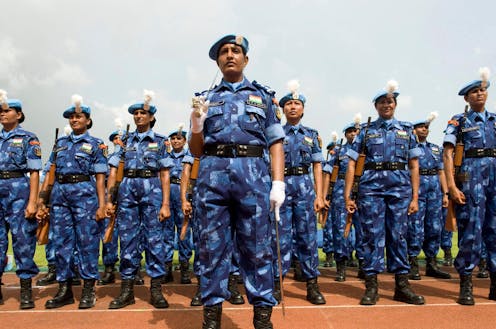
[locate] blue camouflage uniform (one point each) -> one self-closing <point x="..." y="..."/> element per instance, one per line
<point x="176" y="220"/>
<point x="327" y="234"/>
<point x="140" y="200"/>
<point x="301" y="149"/>
<point x="425" y="226"/>
<point x="19" y="152"/>
<point x="384" y="195"/>
<point x="233" y="191"/>
<point x="74" y="204"/>
<point x="476" y="220"/>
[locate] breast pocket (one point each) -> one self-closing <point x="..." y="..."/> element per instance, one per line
<point x="474" y="139"/>
<point x="17" y="156"/>
<point x="401" y="148"/>
<point x="306" y="154"/>
<point x="151" y="159"/>
<point x="83" y="160"/>
<point x="215" y="119"/>
<point x="252" y="121"/>
<point x="375" y="148"/>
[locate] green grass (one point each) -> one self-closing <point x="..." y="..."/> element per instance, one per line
<point x="40" y="260"/>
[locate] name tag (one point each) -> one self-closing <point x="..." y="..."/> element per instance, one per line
<point x="464" y="130"/>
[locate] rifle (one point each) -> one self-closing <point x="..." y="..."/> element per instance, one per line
<point x="450" y="224"/>
<point x="359" y="167"/>
<point x="44" y="224"/>
<point x="333" y="180"/>
<point x="114" y="191"/>
<point x="189" y="196"/>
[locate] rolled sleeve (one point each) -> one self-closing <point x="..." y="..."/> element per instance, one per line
<point x="415" y="152"/>
<point x="327" y="168"/>
<point x="100" y="168"/>
<point x="317" y="157"/>
<point x="34" y="164"/>
<point x="273" y="133"/>
<point x="188" y="159"/>
<point x="166" y="163"/>
<point x="450" y="139"/>
<point x="352" y="154"/>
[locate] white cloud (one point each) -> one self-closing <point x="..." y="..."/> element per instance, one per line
<point x="64" y="74"/>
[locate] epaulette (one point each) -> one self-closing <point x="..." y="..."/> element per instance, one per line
<point x="205" y="92"/>
<point x="160" y="136"/>
<point x="406" y="124"/>
<point x="264" y="88"/>
<point x="311" y="130"/>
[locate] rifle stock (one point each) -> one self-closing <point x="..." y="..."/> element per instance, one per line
<point x="189" y="194"/>
<point x="114" y="192"/>
<point x="44" y="224"/>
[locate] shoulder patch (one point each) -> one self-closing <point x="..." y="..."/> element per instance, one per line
<point x="453" y="122"/>
<point x="34" y="143"/>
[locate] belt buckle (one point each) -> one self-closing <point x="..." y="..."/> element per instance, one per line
<point x="481" y="152"/>
<point x="299" y="170"/>
<point x="220" y="150"/>
<point x="131" y="173"/>
<point x="241" y="150"/>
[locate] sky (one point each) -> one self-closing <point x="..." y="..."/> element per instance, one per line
<point x="342" y="53"/>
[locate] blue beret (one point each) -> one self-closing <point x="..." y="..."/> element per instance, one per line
<point x="183" y="133"/>
<point x="331" y="145"/>
<point x="289" y="97"/>
<point x="115" y="133"/>
<point x="383" y="93"/>
<point x="351" y="125"/>
<point x="471" y="85"/>
<point x="14" y="104"/>
<point x="421" y="122"/>
<point x="241" y="41"/>
<point x="139" y="106"/>
<point x="72" y="109"/>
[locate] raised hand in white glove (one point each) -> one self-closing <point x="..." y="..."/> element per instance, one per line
<point x="277" y="194"/>
<point x="198" y="114"/>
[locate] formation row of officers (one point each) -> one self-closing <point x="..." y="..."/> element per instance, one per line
<point x="249" y="212"/>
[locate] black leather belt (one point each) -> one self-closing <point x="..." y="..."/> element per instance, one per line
<point x="11" y="174"/>
<point x="72" y="179"/>
<point x="295" y="171"/>
<point x="341" y="175"/>
<point x="233" y="150"/>
<point x="428" y="172"/>
<point x="480" y="153"/>
<point x="140" y="173"/>
<point x="175" y="180"/>
<point x="385" y="165"/>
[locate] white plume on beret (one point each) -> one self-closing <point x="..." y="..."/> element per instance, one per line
<point x="180" y="127"/>
<point x="77" y="100"/>
<point x="334" y="136"/>
<point x="67" y="130"/>
<point x="148" y="96"/>
<point x="357" y="119"/>
<point x="293" y="87"/>
<point x="432" y="116"/>
<point x="391" y="86"/>
<point x="484" y="73"/>
<point x="118" y="123"/>
<point x="3" y="96"/>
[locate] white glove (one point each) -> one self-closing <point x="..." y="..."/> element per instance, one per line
<point x="198" y="114"/>
<point x="277" y="194"/>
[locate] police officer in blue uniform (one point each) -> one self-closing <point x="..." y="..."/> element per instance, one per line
<point x="109" y="249"/>
<point x="342" y="246"/>
<point x="178" y="155"/>
<point x="78" y="202"/>
<point x="302" y="150"/>
<point x="474" y="188"/>
<point x="20" y="154"/>
<point x="388" y="193"/>
<point x="425" y="226"/>
<point x="143" y="200"/>
<point x="234" y="127"/>
<point x="327" y="234"/>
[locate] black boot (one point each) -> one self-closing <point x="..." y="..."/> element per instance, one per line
<point x="298" y="274"/>
<point x="340" y="271"/>
<point x="313" y="293"/>
<point x="196" y="301"/>
<point x="126" y="296"/>
<point x="138" y="279"/>
<point x="492" y="287"/>
<point x="360" y="273"/>
<point x="168" y="277"/>
<point x="26" y="294"/>
<point x="351" y="261"/>
<point x="185" y="276"/>
<point x="88" y="297"/>
<point x="414" y="268"/>
<point x="108" y="276"/>
<point x="157" y="299"/>
<point x="466" y="297"/>
<point x="404" y="293"/>
<point x="431" y="269"/>
<point x="483" y="273"/>
<point x="232" y="286"/>
<point x="448" y="258"/>
<point x="63" y="297"/>
<point x="49" y="278"/>
<point x="277" y="290"/>
<point x="212" y="316"/>
<point x="261" y="317"/>
<point x="76" y="280"/>
<point x="371" y="296"/>
<point x="328" y="260"/>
